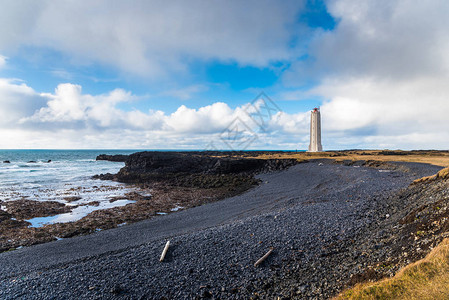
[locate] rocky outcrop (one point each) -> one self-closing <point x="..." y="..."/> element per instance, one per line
<point x="272" y="165"/>
<point x="144" y="166"/>
<point x="117" y="157"/>
<point x="184" y="162"/>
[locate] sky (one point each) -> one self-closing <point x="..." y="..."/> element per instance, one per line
<point x="226" y="75"/>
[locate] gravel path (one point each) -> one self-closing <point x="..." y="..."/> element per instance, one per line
<point x="310" y="214"/>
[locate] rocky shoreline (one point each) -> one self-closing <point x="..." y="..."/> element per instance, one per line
<point x="175" y="181"/>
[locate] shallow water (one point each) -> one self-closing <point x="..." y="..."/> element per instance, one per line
<point x="76" y="214"/>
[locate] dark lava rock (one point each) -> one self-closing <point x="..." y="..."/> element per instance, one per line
<point x="388" y="152"/>
<point x="117" y="157"/>
<point x="107" y="176"/>
<point x="184" y="162"/>
<point x="32" y="162"/>
<point x="6" y="162"/>
<point x="142" y="166"/>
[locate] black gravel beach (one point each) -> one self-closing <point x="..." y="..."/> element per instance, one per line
<point x="323" y="220"/>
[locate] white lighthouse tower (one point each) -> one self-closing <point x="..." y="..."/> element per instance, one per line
<point x="315" y="131"/>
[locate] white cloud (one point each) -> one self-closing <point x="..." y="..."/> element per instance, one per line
<point x="394" y="40"/>
<point x="2" y="61"/>
<point x="413" y="105"/>
<point x="17" y="100"/>
<point x="69" y="118"/>
<point x="291" y="123"/>
<point x="383" y="73"/>
<point x="211" y="118"/>
<point x="153" y="37"/>
<point x="383" y="70"/>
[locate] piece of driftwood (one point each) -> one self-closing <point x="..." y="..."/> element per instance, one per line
<point x="263" y="257"/>
<point x="165" y="251"/>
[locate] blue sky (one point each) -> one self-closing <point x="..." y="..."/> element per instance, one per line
<point x="44" y="67"/>
<point x="155" y="75"/>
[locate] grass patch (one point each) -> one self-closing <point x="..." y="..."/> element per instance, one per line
<point x="443" y="174"/>
<point x="425" y="279"/>
<point x="438" y="158"/>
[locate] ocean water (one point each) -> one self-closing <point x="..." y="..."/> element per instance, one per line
<point x="29" y="175"/>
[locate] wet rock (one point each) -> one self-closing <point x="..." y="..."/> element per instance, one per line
<point x="27" y="209"/>
<point x="6" y="162"/>
<point x="107" y="176"/>
<point x="72" y="198"/>
<point x="7" y="222"/>
<point x="116" y="158"/>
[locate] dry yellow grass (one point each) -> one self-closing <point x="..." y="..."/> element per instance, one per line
<point x="438" y="159"/>
<point x="425" y="279"/>
<point x="444" y="173"/>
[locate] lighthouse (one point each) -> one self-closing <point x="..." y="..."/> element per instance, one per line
<point x="315" y="131"/>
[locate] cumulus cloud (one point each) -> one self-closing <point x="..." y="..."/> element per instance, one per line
<point x="396" y="40"/>
<point x="154" y="37"/>
<point x="69" y="118"/>
<point x="210" y="118"/>
<point x="17" y="100"/>
<point x="382" y="74"/>
<point x="370" y="108"/>
<point x="69" y="107"/>
<point x="291" y="123"/>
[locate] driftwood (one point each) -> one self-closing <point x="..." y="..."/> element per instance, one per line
<point x="165" y="251"/>
<point x="263" y="257"/>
